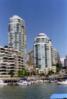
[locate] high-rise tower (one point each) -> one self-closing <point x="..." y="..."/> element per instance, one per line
<point x="17" y="35"/>
<point x="42" y="52"/>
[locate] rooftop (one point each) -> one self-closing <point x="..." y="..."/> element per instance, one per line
<point x="16" y="17"/>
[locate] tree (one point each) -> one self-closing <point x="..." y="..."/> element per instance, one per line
<point x="58" y="67"/>
<point x="22" y="73"/>
<point x="50" y="72"/>
<point x="11" y="73"/>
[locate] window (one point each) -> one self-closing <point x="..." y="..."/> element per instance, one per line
<point x="43" y="39"/>
<point x="38" y="40"/>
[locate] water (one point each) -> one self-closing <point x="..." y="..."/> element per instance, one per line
<point x="42" y="91"/>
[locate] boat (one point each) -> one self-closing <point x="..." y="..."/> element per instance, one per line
<point x="23" y="83"/>
<point x="62" y="82"/>
<point x="2" y="83"/>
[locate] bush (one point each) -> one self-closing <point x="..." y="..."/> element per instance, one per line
<point x="50" y="72"/>
<point x="22" y="73"/>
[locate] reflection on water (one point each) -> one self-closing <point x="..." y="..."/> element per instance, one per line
<point x="42" y="91"/>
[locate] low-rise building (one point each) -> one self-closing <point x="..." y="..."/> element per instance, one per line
<point x="11" y="61"/>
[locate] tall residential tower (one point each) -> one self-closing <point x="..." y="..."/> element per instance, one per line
<point x="42" y="52"/>
<point x="17" y="35"/>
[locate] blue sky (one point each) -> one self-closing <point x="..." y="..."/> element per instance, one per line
<point x="48" y="16"/>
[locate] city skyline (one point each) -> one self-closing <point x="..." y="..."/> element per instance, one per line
<point x="39" y="16"/>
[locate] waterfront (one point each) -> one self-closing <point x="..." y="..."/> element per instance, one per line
<point x="38" y="91"/>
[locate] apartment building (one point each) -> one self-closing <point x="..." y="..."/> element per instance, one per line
<point x="11" y="60"/>
<point x="42" y="52"/>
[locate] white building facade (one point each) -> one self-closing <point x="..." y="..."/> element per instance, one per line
<point x="10" y="61"/>
<point x="42" y="52"/>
